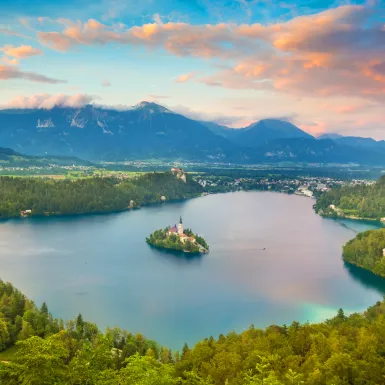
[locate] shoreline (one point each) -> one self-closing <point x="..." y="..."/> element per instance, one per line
<point x="352" y="218"/>
<point x="177" y="252"/>
<point x="95" y="213"/>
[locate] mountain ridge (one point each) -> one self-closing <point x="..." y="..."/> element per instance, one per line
<point x="151" y="131"/>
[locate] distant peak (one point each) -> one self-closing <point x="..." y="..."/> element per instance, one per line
<point x="151" y="106"/>
<point x="331" y="135"/>
<point x="143" y="104"/>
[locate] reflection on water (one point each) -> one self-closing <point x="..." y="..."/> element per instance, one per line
<point x="358" y="226"/>
<point x="366" y="278"/>
<point x="271" y="261"/>
<point x="178" y="256"/>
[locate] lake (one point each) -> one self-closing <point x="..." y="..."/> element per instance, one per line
<point x="272" y="261"/>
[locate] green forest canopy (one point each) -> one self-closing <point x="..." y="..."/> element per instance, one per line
<point x="341" y="351"/>
<point x="366" y="251"/>
<point x="91" y="195"/>
<point x="358" y="201"/>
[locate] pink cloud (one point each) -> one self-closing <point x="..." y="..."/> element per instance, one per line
<point x="14" y="33"/>
<point x="21" y="52"/>
<point x="8" y="61"/>
<point x="184" y="78"/>
<point x="350" y="109"/>
<point x="11" y="72"/>
<point x="158" y="97"/>
<point x="338" y="52"/>
<point x="315" y="128"/>
<point x="106" y="83"/>
<point x="47" y="101"/>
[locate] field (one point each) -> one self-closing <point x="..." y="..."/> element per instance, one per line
<point x="70" y="174"/>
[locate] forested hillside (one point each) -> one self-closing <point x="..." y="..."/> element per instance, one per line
<point x="366" y="250"/>
<point x="341" y="351"/>
<point x="354" y="201"/>
<point x="92" y="195"/>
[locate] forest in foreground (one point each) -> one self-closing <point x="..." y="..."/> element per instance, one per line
<point x="360" y="201"/>
<point x="37" y="349"/>
<point x="90" y="195"/>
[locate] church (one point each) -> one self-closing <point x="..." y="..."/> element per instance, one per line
<point x="178" y="230"/>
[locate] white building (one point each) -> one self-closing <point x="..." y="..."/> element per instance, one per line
<point x="180" y="227"/>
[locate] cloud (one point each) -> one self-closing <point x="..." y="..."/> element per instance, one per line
<point x="106" y="83"/>
<point x="337" y="52"/>
<point x="180" y="39"/>
<point x="47" y="101"/>
<point x="10" y="72"/>
<point x="216" y="117"/>
<point x="8" y="61"/>
<point x="351" y="109"/>
<point x="315" y="128"/>
<point x="158" y="97"/>
<point x="9" y="32"/>
<point x="184" y="78"/>
<point x="21" y="52"/>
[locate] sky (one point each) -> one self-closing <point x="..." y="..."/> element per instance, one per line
<point x="317" y="63"/>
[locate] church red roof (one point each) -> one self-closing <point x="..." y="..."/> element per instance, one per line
<point x="174" y="229"/>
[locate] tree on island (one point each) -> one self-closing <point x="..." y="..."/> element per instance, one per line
<point x="178" y="238"/>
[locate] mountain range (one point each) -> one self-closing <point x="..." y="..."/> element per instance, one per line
<point x="151" y="131"/>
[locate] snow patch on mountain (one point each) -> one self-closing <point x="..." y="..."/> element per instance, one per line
<point x="104" y="127"/>
<point x="47" y="123"/>
<point x="78" y="122"/>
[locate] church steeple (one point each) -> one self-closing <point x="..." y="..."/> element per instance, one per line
<point x="180" y="226"/>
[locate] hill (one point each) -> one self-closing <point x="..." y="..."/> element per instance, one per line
<point x="314" y="151"/>
<point x="329" y="136"/>
<point x="366" y="251"/>
<point x="356" y="142"/>
<point x="360" y="201"/>
<point x="11" y="158"/>
<point x="266" y="130"/>
<point x="343" y="350"/>
<point x="218" y="129"/>
<point x="90" y="195"/>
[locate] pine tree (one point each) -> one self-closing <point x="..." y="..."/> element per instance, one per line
<point x="44" y="308"/>
<point x="80" y="325"/>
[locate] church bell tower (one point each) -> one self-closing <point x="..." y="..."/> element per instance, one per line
<point x="180" y="226"/>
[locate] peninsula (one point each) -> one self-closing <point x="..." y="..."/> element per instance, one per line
<point x="179" y="239"/>
<point x="358" y="201"/>
<point x="367" y="250"/>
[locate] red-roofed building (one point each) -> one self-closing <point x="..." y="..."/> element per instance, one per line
<point x="173" y="230"/>
<point x="178" y="230"/>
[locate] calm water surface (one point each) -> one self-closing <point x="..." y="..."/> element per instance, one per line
<point x="102" y="267"/>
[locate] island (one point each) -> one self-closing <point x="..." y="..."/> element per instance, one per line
<point x="179" y="239"/>
<point x="367" y="250"/>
